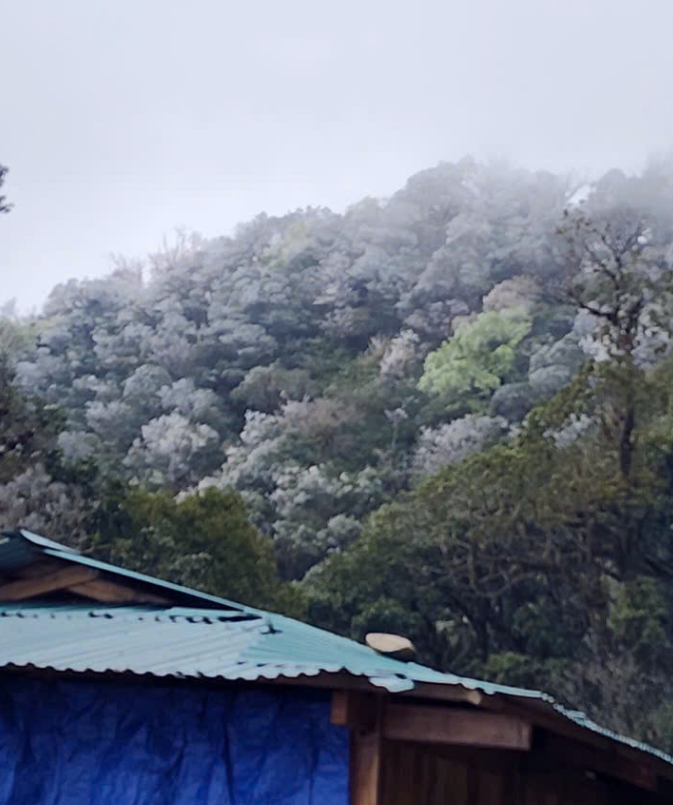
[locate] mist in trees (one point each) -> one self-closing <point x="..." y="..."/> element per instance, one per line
<point x="446" y="413"/>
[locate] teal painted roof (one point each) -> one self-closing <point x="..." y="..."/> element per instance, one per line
<point x="188" y="642"/>
<point x="185" y="642"/>
<point x="211" y="638"/>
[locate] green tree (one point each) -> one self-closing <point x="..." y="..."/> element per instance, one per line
<point x="203" y="540"/>
<point x="472" y="364"/>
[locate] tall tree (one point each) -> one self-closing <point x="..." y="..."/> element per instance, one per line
<point x="4" y="206"/>
<point x="618" y="276"/>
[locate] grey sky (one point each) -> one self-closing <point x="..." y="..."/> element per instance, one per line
<point x="121" y="119"/>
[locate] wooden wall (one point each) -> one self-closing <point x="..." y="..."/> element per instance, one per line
<point x="429" y="753"/>
<point x="416" y="774"/>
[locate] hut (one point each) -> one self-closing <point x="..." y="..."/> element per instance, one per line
<point x="121" y="688"/>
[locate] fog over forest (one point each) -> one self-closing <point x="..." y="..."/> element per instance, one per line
<point x="121" y="120"/>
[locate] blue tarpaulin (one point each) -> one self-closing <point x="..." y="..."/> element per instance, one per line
<point x="90" y="743"/>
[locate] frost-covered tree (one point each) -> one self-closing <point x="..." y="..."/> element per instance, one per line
<point x="27" y="428"/>
<point x="264" y="388"/>
<point x="518" y="292"/>
<point x="400" y="356"/>
<point x="554" y="365"/>
<point x="17" y="334"/>
<point x="35" y="501"/>
<point x="172" y="452"/>
<point x="452" y="442"/>
<point x="4" y="205"/>
<point x="316" y="510"/>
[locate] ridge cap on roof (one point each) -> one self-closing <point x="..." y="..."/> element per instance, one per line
<point x="40" y="541"/>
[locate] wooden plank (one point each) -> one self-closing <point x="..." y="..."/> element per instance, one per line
<point x="587" y="791"/>
<point x="495" y="760"/>
<point x="398" y="776"/>
<point x="444" y="779"/>
<point x="366" y="764"/>
<point x="111" y="592"/>
<point x="414" y="774"/>
<point x="49" y="583"/>
<point x="490" y="787"/>
<point x="445" y="725"/>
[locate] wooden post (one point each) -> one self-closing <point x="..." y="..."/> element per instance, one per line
<point x="366" y="766"/>
<point x="362" y="713"/>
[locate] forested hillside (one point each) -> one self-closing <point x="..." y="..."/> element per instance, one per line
<point x="448" y="414"/>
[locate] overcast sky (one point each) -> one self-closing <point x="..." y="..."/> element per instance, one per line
<point x="121" y="119"/>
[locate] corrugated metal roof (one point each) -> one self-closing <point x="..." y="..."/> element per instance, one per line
<point x="191" y="643"/>
<point x="221" y="640"/>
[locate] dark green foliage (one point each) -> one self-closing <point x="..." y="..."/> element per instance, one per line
<point x="203" y="541"/>
<point x="538" y="563"/>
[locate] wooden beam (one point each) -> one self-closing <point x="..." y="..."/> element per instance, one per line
<point x="447" y="693"/>
<point x="445" y="725"/>
<point x="49" y="583"/>
<point x="111" y="592"/>
<point x="354" y="709"/>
